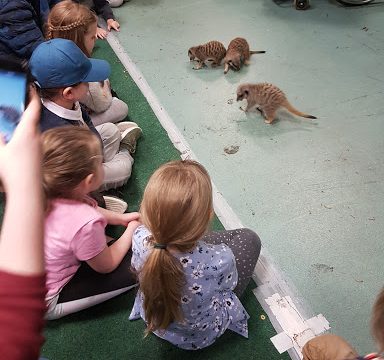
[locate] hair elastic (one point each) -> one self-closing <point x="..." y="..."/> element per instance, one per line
<point x="159" y="246"/>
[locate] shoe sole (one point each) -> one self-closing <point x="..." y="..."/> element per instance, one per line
<point x="115" y="204"/>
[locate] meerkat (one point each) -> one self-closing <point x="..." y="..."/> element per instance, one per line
<point x="238" y="53"/>
<point x="211" y="53"/>
<point x="268" y="99"/>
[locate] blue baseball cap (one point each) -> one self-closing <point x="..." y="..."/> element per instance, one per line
<point x="60" y="62"/>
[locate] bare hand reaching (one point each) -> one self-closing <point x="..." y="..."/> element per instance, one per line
<point x="101" y="33"/>
<point x="113" y="24"/>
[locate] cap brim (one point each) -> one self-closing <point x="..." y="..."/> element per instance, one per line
<point x="100" y="71"/>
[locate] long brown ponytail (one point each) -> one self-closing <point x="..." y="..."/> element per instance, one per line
<point x="176" y="208"/>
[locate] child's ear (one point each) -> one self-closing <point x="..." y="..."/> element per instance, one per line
<point x="68" y="93"/>
<point x="88" y="181"/>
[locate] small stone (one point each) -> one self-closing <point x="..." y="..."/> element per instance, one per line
<point x="232" y="149"/>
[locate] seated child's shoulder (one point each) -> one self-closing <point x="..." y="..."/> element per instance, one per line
<point x="74" y="209"/>
<point x="141" y="235"/>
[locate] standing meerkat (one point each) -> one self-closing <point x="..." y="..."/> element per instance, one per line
<point x="212" y="53"/>
<point x="238" y="53"/>
<point x="268" y="98"/>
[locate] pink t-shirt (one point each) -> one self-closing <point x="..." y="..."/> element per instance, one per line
<point x="74" y="232"/>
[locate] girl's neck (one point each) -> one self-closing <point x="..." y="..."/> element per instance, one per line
<point x="79" y="194"/>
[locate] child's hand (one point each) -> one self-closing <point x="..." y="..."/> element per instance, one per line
<point x="113" y="24"/>
<point x="132" y="226"/>
<point x="101" y="33"/>
<point x="127" y="218"/>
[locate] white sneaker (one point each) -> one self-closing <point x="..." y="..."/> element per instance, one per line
<point x="115" y="204"/>
<point x="130" y="133"/>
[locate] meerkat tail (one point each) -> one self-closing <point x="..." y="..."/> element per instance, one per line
<point x="257" y="52"/>
<point x="291" y="109"/>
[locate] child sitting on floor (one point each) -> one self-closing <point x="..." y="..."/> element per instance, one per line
<point x="72" y="21"/>
<point x="82" y="270"/>
<point x="190" y="282"/>
<point x="62" y="72"/>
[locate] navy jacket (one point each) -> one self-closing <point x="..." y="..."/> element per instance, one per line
<point x="20" y="29"/>
<point x="22" y="26"/>
<point x="49" y="120"/>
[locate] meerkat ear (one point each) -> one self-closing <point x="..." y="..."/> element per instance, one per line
<point x="246" y="92"/>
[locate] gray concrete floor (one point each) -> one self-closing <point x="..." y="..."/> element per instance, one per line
<point x="312" y="189"/>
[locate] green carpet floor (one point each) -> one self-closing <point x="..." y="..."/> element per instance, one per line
<point x="104" y="331"/>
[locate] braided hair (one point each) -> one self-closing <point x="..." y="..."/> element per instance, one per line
<point x="70" y="20"/>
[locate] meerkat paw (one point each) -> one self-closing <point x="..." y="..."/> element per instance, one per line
<point x="241" y="108"/>
<point x="268" y="121"/>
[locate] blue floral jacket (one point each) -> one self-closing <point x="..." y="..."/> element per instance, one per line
<point x="208" y="302"/>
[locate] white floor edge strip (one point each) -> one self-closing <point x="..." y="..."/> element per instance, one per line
<point x="267" y="276"/>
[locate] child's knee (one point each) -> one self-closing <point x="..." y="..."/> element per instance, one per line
<point x="115" y="3"/>
<point x="253" y="239"/>
<point x="109" y="132"/>
<point x="118" y="170"/>
<point x="120" y="108"/>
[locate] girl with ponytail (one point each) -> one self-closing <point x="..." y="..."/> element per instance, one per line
<point x="190" y="280"/>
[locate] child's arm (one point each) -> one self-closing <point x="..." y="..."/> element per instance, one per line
<point x="103" y="8"/>
<point x="114" y="218"/>
<point x="110" y="258"/>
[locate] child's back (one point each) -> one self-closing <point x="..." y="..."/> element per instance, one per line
<point x="208" y="302"/>
<point x="69" y="226"/>
<point x="189" y="283"/>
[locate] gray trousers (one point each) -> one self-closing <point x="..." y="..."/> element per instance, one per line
<point x="245" y="245"/>
<point x="117" y="161"/>
<point x="118" y="111"/>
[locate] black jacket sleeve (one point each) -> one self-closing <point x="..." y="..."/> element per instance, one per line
<point x="103" y="8"/>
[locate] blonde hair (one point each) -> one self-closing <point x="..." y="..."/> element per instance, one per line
<point x="70" y="20"/>
<point x="177" y="209"/>
<point x="70" y="154"/>
<point x="378" y="320"/>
